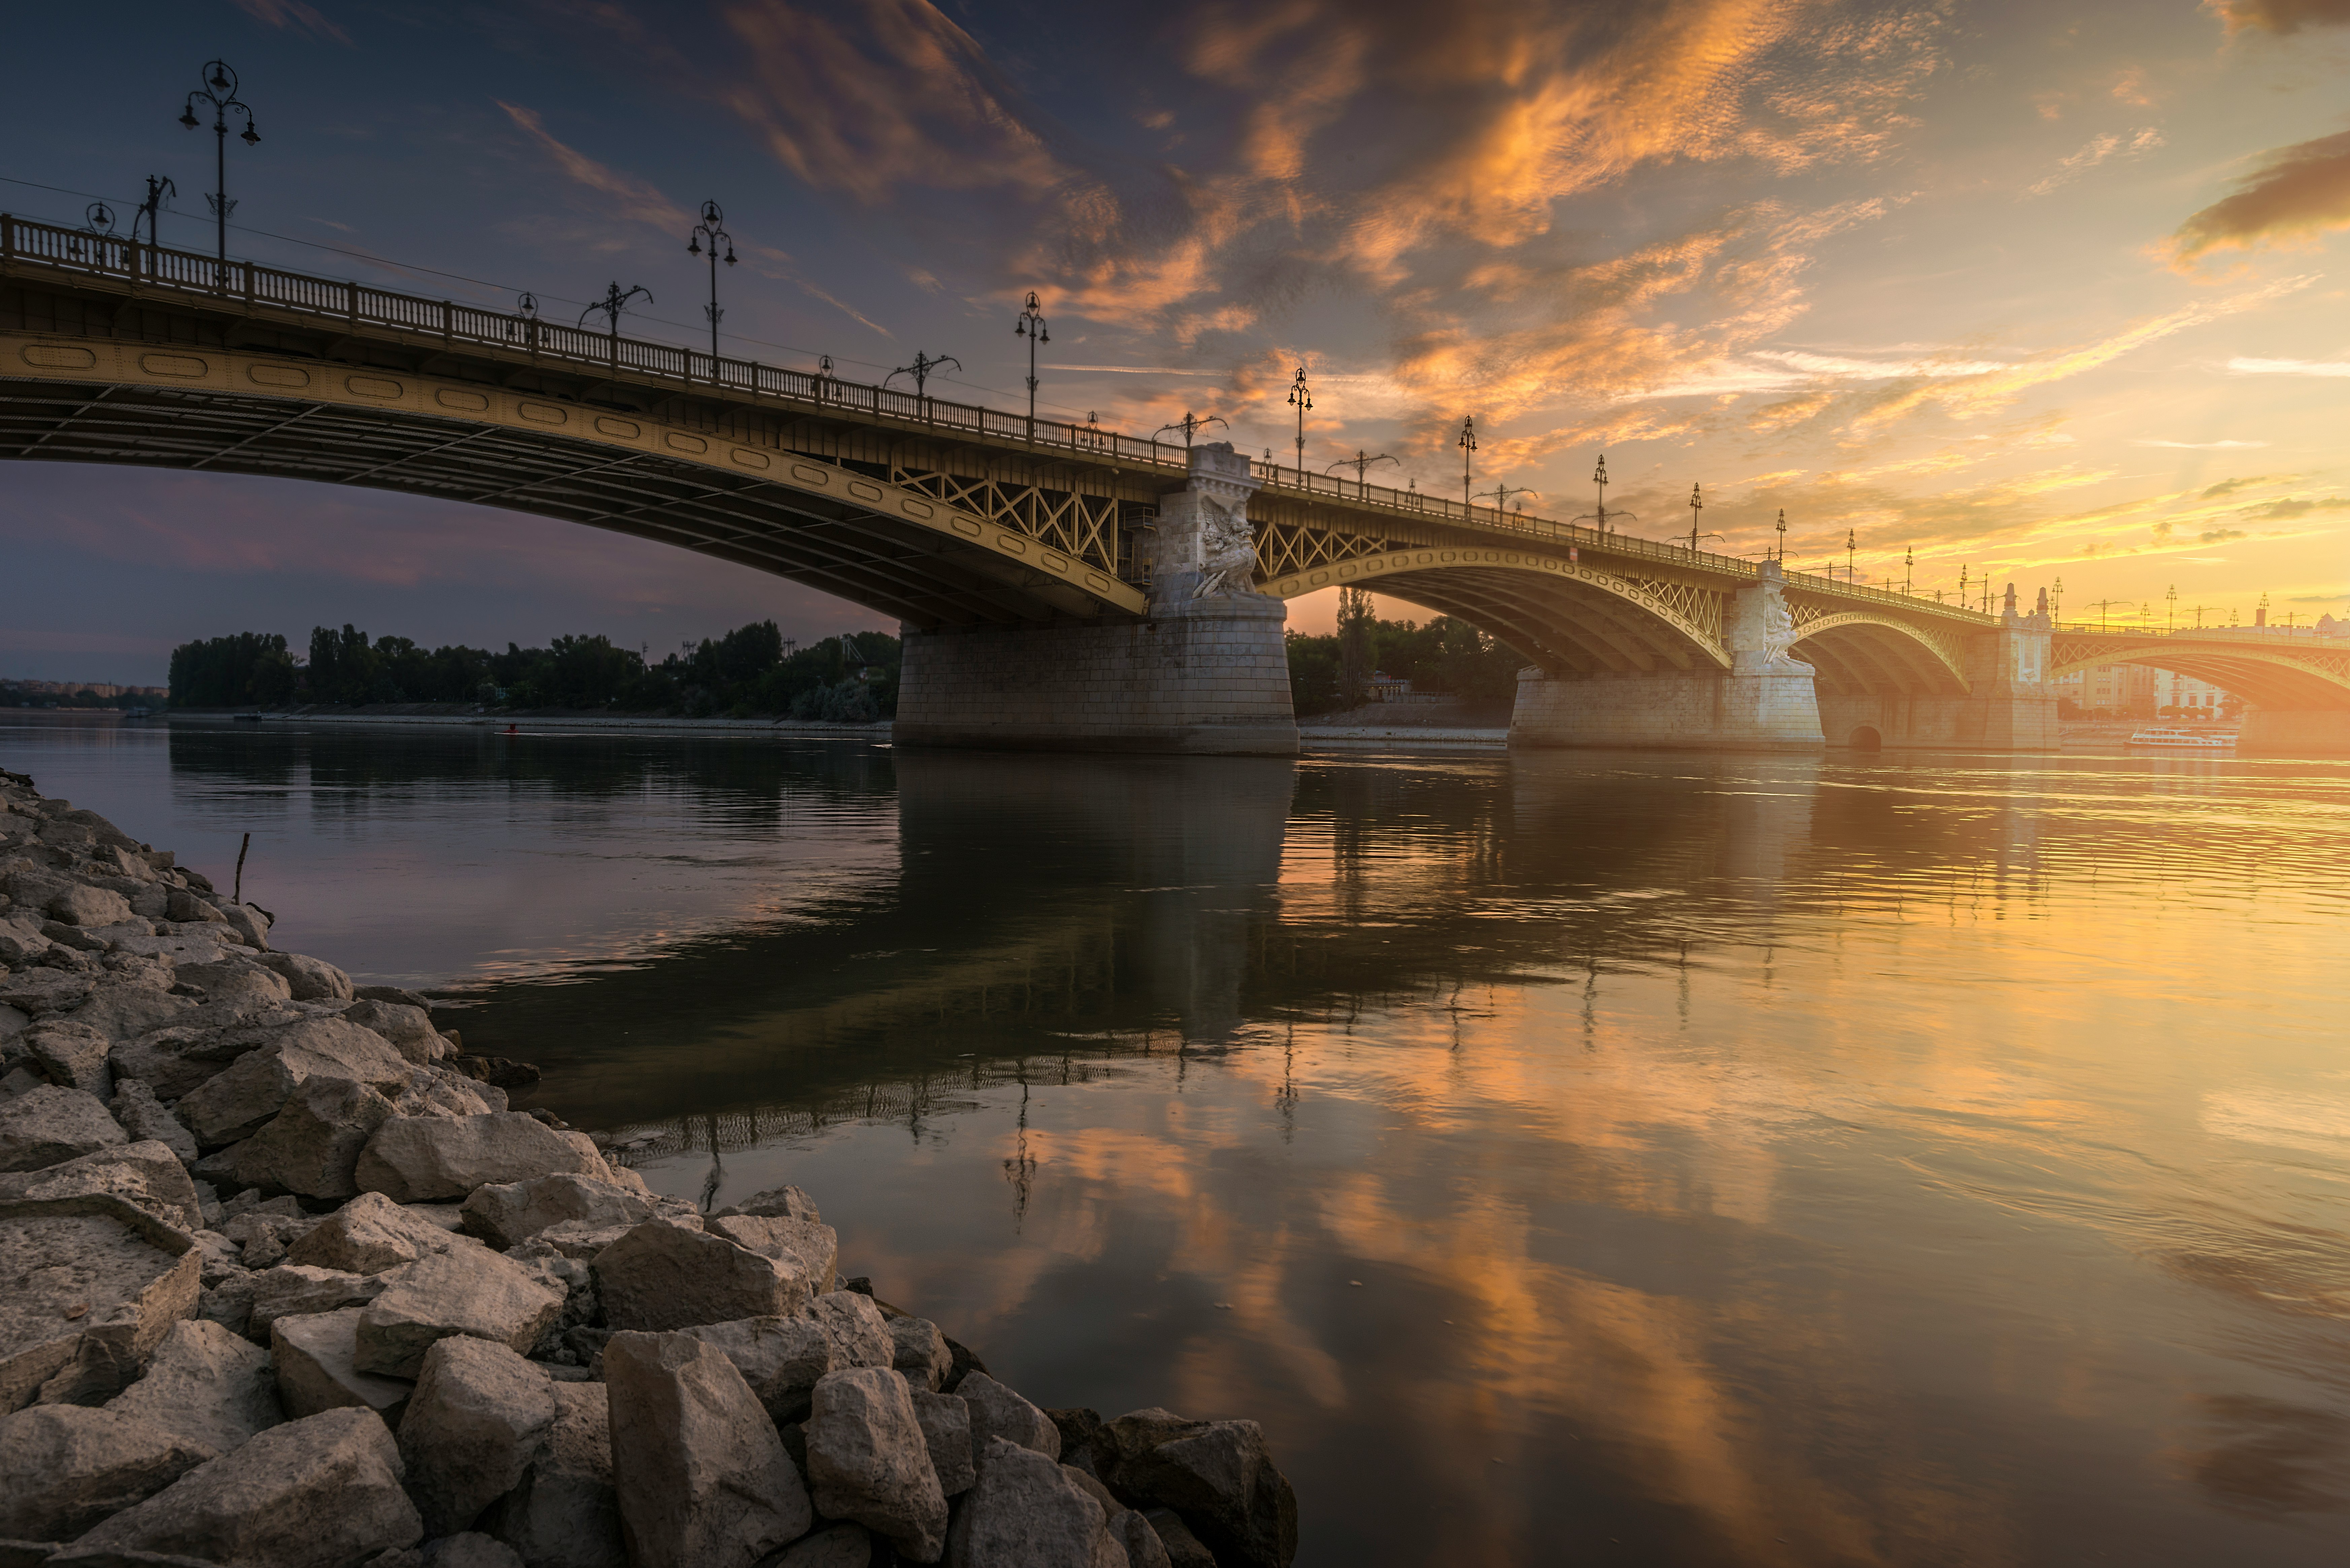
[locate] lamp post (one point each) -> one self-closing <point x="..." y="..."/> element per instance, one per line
<point x="1502" y="493"/>
<point x="713" y="228"/>
<point x="2056" y="602"/>
<point x="920" y="370"/>
<point x="2170" y="610"/>
<point x="1851" y="551"/>
<point x="1031" y="325"/>
<point x="1909" y="568"/>
<point x="219" y="89"/>
<point x="151" y="208"/>
<point x="1468" y="444"/>
<point x="1190" y="424"/>
<point x="1301" y="398"/>
<point x="613" y="303"/>
<point x="1600" y="516"/>
<point x="1696" y="504"/>
<point x="1361" y="463"/>
<point x="1782" y="535"/>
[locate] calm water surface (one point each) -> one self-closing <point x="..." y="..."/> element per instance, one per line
<point x="1573" y="1159"/>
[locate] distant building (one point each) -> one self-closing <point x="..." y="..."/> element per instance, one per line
<point x="2194" y="699"/>
<point x="1386" y="688"/>
<point x="2119" y="689"/>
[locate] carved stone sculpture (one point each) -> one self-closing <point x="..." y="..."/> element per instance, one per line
<point x="1227" y="552"/>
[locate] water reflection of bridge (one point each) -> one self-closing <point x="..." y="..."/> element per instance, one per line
<point x="1058" y="918"/>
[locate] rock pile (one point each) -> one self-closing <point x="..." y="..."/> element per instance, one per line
<point x="280" y="1285"/>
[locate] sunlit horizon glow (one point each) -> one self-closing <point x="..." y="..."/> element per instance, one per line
<point x="2026" y="291"/>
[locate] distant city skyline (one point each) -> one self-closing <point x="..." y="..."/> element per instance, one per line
<point x="2035" y="292"/>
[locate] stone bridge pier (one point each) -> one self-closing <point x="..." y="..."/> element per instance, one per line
<point x="2008" y="705"/>
<point x="1764" y="701"/>
<point x="1204" y="671"/>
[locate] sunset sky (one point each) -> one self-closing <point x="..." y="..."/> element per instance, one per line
<point x="2047" y="290"/>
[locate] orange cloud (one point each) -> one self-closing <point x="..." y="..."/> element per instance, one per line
<point x="2302" y="192"/>
<point x="293" y="14"/>
<point x="866" y="98"/>
<point x="2279" y="15"/>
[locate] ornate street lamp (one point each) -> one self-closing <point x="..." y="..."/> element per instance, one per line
<point x="1782" y="535"/>
<point x="219" y="89"/>
<point x="1909" y="562"/>
<point x="1600" y="516"/>
<point x="1301" y="398"/>
<point x="1851" y="551"/>
<point x="1031" y="325"/>
<point x="713" y="228"/>
<point x="1468" y="445"/>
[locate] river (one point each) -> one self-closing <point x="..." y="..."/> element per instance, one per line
<point x="1603" y="1156"/>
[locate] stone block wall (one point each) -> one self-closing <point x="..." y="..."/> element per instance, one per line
<point x="1677" y="709"/>
<point x="1210" y="679"/>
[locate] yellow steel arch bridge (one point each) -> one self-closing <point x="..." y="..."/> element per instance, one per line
<point x="949" y="516"/>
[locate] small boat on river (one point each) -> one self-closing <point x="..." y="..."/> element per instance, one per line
<point x="2183" y="740"/>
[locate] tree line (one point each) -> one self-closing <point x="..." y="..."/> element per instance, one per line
<point x="751" y="669"/>
<point x="1333" y="674"/>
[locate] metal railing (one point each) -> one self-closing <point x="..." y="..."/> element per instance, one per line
<point x="354" y="305"/>
<point x="2251" y="634"/>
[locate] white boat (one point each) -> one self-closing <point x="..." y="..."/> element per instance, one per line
<point x="2183" y="740"/>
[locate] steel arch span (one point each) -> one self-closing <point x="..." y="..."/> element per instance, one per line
<point x="2269" y="671"/>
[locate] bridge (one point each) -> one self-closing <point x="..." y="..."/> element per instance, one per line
<point x="1058" y="585"/>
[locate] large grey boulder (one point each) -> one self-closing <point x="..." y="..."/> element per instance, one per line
<point x="126" y="1010"/>
<point x="473" y="1291"/>
<point x="317" y="1359"/>
<point x="1146" y="1547"/>
<point x="918" y="1350"/>
<point x="658" y="1276"/>
<point x="141" y="1115"/>
<point x="473" y="1426"/>
<point x="506" y="1214"/>
<point x="300" y="1290"/>
<point x="146" y="1174"/>
<point x="72" y="1056"/>
<point x="566" y="1513"/>
<point x="702" y="1476"/>
<point x="48" y="1126"/>
<point x="422" y="1159"/>
<point x="946" y="1432"/>
<point x="241" y="1100"/>
<point x="1220" y="1476"/>
<point x="777" y="1203"/>
<point x="998" y="1412"/>
<point x="859" y="1334"/>
<point x="64" y="1468"/>
<point x="407" y="1028"/>
<point x="369" y="1235"/>
<point x="1027" y="1512"/>
<point x="89" y="1287"/>
<point x="234" y="979"/>
<point x="80" y="905"/>
<point x="811" y="1247"/>
<point x="206" y="1384"/>
<point x="311" y="1147"/>
<point x="780" y="1357"/>
<point x="866" y="1461"/>
<point x="310" y="979"/>
<point x="251" y="926"/>
<point x="320" y="1492"/>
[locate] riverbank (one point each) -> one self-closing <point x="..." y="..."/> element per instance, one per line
<point x="285" y="1278"/>
<point x="548" y="721"/>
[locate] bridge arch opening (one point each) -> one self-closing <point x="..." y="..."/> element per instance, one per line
<point x="1866" y="739"/>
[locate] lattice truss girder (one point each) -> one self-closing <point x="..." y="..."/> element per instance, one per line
<point x="1869" y="655"/>
<point x="1087" y="527"/>
<point x="1285" y="548"/>
<point x="2271" y="676"/>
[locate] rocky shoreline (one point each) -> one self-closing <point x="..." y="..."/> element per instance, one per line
<point x="285" y="1283"/>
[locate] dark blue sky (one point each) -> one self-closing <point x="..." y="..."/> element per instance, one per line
<point x="2038" y="289"/>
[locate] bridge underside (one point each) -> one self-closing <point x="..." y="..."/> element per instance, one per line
<point x="1565" y="626"/>
<point x="924" y="575"/>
